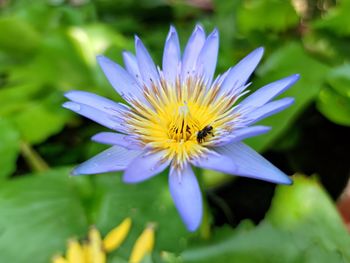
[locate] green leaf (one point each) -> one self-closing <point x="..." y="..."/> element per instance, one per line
<point x="41" y="120"/>
<point x="302" y="226"/>
<point x="305" y="200"/>
<point x="334" y="99"/>
<point x="14" y="99"/>
<point x="339" y="79"/>
<point x="307" y="211"/>
<point x="289" y="59"/>
<point x="261" y="244"/>
<point x="334" y="106"/>
<point x="145" y="202"/>
<point x="336" y="20"/>
<point x="17" y="36"/>
<point x="9" y="148"/>
<point x="38" y="215"/>
<point x="266" y="15"/>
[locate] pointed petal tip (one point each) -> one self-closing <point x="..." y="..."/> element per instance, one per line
<point x="264" y="129"/>
<point x="100" y="58"/>
<point x="259" y="52"/>
<point x="130" y="180"/>
<point x="75" y="172"/>
<point x="215" y="32"/>
<point x="288" y="81"/>
<point x="286" y="180"/>
<point x="103" y="60"/>
<point x="288" y="101"/>
<point x="79" y="170"/>
<point x="125" y="53"/>
<point x="138" y="44"/>
<point x="198" y="29"/>
<point x="183" y="186"/>
<point x="172" y="33"/>
<point x="68" y="93"/>
<point x="138" y="41"/>
<point x="193" y="227"/>
<point x="71" y="106"/>
<point x="295" y="78"/>
<point x="95" y="138"/>
<point x="261" y="49"/>
<point x="172" y="29"/>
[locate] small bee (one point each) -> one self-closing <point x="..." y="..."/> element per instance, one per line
<point x="204" y="132"/>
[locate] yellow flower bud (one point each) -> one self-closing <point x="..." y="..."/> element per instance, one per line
<point x="86" y="251"/>
<point x="96" y="253"/>
<point x="117" y="235"/>
<point x="75" y="252"/>
<point x="143" y="245"/>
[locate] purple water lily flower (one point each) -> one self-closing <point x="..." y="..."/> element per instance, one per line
<point x="180" y="116"/>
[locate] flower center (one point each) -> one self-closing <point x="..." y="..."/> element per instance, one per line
<point x="183" y="126"/>
<point x="181" y="120"/>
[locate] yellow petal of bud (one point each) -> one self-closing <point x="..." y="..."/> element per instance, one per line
<point x="86" y="252"/>
<point x="96" y="253"/>
<point x="59" y="259"/>
<point x="117" y="235"/>
<point x="143" y="245"/>
<point x="75" y="252"/>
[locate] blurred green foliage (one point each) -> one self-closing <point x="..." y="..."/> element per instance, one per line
<point x="48" y="47"/>
<point x="301" y="226"/>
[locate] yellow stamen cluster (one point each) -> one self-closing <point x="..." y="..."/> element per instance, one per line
<point x="175" y="115"/>
<point x="94" y="249"/>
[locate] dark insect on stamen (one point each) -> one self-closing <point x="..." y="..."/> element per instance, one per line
<point x="204" y="133"/>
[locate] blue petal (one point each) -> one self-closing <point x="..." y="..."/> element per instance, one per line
<point x="186" y="193"/>
<point x="148" y="70"/>
<point x="120" y="79"/>
<point x="171" y="56"/>
<point x="268" y="110"/>
<point x="193" y="47"/>
<point x="113" y="159"/>
<point x="208" y="56"/>
<point x="268" y="92"/>
<point x="131" y="66"/>
<point x="113" y="138"/>
<point x="239" y="159"/>
<point x="239" y="74"/>
<point x="217" y="162"/>
<point x="101" y="117"/>
<point x="145" y="166"/>
<point x="241" y="134"/>
<point x="95" y="101"/>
